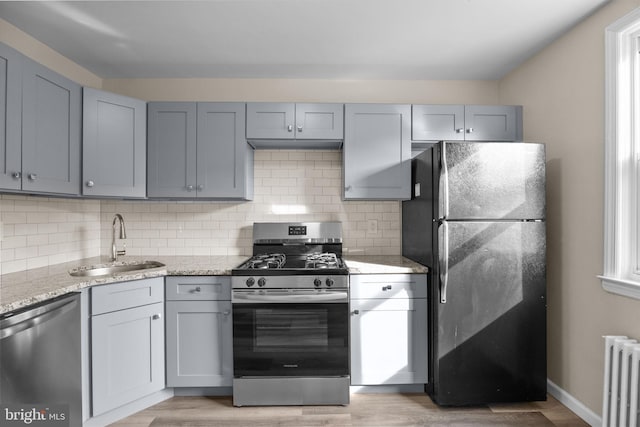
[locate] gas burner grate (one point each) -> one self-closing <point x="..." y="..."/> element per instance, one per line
<point x="266" y="261"/>
<point x="321" y="260"/>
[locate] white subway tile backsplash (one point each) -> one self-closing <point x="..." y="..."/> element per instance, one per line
<point x="289" y="185"/>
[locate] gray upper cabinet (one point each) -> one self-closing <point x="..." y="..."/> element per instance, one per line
<point x="10" y="118"/>
<point x="198" y="150"/>
<point x="113" y="145"/>
<point x="224" y="159"/>
<point x="281" y="121"/>
<point x="51" y="128"/>
<point x="377" y="152"/>
<point x="466" y="123"/>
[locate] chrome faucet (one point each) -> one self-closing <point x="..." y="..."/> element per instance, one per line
<point x="123" y="235"/>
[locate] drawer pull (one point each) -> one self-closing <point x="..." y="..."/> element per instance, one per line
<point x="226" y="313"/>
<point x="198" y="289"/>
<point x="356" y="311"/>
<point x="156" y="316"/>
<point x="386" y="288"/>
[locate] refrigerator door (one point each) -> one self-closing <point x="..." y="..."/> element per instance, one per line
<point x="480" y="181"/>
<point x="490" y="343"/>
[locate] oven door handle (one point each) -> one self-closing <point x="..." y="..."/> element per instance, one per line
<point x="284" y="297"/>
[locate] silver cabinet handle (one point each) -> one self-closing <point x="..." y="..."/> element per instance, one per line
<point x="356" y="311"/>
<point x="90" y="183"/>
<point x="189" y="187"/>
<point x="470" y="130"/>
<point x="347" y="188"/>
<point x="156" y="316"/>
<point x="16" y="175"/>
<point x="200" y="187"/>
<point x="459" y="130"/>
<point x="299" y="128"/>
<point x="197" y="289"/>
<point x="32" y="176"/>
<point x="290" y="128"/>
<point x="386" y="288"/>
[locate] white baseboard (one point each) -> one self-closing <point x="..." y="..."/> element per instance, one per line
<point x="590" y="417"/>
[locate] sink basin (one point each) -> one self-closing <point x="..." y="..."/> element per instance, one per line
<point x="110" y="269"/>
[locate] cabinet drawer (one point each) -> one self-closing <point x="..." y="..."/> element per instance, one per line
<point x="388" y="286"/>
<point x="204" y="288"/>
<point x="119" y="296"/>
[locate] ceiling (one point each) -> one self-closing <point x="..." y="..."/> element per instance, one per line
<point x="332" y="39"/>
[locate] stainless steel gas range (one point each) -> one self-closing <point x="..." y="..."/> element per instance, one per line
<point x="290" y="317"/>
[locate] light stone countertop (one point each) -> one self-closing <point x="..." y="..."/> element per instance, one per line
<point x="383" y="264"/>
<point x="21" y="289"/>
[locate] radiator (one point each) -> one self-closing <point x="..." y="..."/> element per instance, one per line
<point x="621" y="380"/>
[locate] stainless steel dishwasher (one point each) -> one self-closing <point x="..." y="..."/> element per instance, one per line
<point x="40" y="356"/>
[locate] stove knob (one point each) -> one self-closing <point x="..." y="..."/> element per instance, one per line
<point x="251" y="281"/>
<point x="329" y="282"/>
<point x="262" y="282"/>
<point x="317" y="283"/>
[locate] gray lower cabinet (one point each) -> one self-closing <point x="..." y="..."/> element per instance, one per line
<point x="10" y="118"/>
<point x="466" y="123"/>
<point x="289" y="121"/>
<point x="199" y="331"/>
<point x="198" y="150"/>
<point x="388" y="311"/>
<point x="127" y="342"/>
<point x="377" y="152"/>
<point x="114" y="145"/>
<point x="51" y="131"/>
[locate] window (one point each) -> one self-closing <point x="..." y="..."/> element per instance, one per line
<point x="622" y="157"/>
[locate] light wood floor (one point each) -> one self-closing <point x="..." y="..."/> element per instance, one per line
<point x="384" y="410"/>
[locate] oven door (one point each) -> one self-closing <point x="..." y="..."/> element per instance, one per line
<point x="290" y="339"/>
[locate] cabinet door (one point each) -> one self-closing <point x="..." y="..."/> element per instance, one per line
<point x="114" y="142"/>
<point x="10" y="118"/>
<point x="224" y="159"/>
<point x="127" y="356"/>
<point x="493" y="123"/>
<point x="437" y="122"/>
<point x="270" y="120"/>
<point x="51" y="123"/>
<point x="379" y="325"/>
<point x="319" y="121"/>
<point x="171" y="164"/>
<point x="199" y="344"/>
<point x="377" y="152"/>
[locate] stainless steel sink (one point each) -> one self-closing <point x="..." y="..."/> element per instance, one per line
<point x="111" y="269"/>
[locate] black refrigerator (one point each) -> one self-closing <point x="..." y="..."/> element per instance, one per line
<point x="477" y="220"/>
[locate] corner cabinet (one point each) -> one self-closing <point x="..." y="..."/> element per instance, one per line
<point x="377" y="152"/>
<point x="268" y="122"/>
<point x="198" y="150"/>
<point x="114" y="145"/>
<point x="388" y="311"/>
<point x="127" y="342"/>
<point x="199" y="332"/>
<point x="467" y="123"/>
<point x="10" y="118"/>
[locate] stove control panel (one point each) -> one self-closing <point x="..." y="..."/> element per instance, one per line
<point x="293" y="281"/>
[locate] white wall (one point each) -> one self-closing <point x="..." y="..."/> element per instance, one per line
<point x="562" y="90"/>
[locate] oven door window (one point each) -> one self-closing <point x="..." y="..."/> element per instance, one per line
<point x="290" y="339"/>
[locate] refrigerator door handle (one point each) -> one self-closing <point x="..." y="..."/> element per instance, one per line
<point x="443" y="261"/>
<point x="444" y="182"/>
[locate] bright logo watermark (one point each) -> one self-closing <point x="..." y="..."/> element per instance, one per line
<point x="19" y="414"/>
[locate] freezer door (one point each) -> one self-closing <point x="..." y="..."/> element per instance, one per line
<point x="491" y="328"/>
<point x="492" y="181"/>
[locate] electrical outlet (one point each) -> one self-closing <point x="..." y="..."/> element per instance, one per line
<point x="372" y="226"/>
